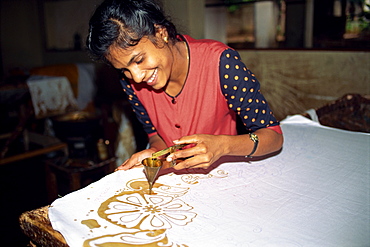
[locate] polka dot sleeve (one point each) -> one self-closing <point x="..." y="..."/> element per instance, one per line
<point x="242" y="92"/>
<point x="138" y="108"/>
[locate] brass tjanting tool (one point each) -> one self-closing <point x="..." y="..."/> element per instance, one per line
<point x="151" y="168"/>
<point x="168" y="150"/>
<point x="153" y="164"/>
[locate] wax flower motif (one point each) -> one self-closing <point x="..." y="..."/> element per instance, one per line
<point x="149" y="212"/>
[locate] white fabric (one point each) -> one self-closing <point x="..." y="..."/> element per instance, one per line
<point x="51" y="95"/>
<point x="313" y="115"/>
<point x="86" y="84"/>
<point x="126" y="140"/>
<point x="314" y="193"/>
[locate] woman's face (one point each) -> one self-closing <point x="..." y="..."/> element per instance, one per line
<point x="144" y="62"/>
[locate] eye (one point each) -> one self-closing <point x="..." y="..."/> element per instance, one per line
<point x="139" y="61"/>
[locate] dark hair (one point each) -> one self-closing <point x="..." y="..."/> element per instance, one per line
<point x="124" y="23"/>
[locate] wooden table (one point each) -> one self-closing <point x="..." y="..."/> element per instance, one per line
<point x="76" y="175"/>
<point x="35" y="224"/>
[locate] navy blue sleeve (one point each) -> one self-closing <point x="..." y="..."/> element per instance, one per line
<point x="242" y="92"/>
<point x="138" y="108"/>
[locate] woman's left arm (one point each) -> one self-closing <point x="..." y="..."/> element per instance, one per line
<point x="209" y="148"/>
<point x="252" y="108"/>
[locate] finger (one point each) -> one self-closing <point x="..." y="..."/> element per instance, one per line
<point x="198" y="161"/>
<point x="188" y="152"/>
<point x="181" y="166"/>
<point x="187" y="140"/>
<point x="121" y="167"/>
<point x="129" y="166"/>
<point x="137" y="165"/>
<point x="130" y="163"/>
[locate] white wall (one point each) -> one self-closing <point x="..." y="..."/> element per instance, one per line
<point x="215" y="21"/>
<point x="266" y="18"/>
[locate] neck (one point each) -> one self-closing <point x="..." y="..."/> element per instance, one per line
<point x="180" y="69"/>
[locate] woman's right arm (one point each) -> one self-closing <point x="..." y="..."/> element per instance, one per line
<point x="155" y="144"/>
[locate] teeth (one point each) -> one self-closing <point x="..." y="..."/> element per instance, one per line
<point x="153" y="76"/>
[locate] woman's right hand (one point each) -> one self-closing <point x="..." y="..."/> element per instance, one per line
<point x="155" y="142"/>
<point x="135" y="159"/>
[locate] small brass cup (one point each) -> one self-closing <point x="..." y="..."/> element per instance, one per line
<point x="152" y="162"/>
<point x="151" y="168"/>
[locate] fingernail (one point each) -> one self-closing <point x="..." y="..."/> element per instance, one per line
<point x="169" y="159"/>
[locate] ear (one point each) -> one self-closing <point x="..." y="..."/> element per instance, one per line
<point x="161" y="33"/>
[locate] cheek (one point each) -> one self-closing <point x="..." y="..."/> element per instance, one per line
<point x="127" y="74"/>
<point x="166" y="63"/>
<point x="165" y="73"/>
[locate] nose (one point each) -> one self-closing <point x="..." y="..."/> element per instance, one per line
<point x="137" y="74"/>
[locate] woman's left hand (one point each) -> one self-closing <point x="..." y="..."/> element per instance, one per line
<point x="206" y="150"/>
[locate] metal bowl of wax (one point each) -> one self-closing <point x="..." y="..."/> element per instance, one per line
<point x="152" y="162"/>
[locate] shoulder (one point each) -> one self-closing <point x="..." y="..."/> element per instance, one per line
<point x="230" y="56"/>
<point x="205" y="44"/>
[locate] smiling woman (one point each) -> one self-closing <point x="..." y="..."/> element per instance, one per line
<point x="183" y="90"/>
<point x="124" y="25"/>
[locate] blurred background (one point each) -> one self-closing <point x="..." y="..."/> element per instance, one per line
<point x="65" y="122"/>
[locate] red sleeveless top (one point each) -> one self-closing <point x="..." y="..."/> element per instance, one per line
<point x="200" y="108"/>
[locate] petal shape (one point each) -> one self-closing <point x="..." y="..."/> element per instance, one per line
<point x="154" y="222"/>
<point x="135" y="199"/>
<point x="177" y="205"/>
<point x="181" y="218"/>
<point x="115" y="207"/>
<point x="158" y="199"/>
<point x="127" y="219"/>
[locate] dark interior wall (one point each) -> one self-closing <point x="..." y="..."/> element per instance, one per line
<point x="23" y="36"/>
<point x="327" y="25"/>
<point x="1" y="56"/>
<point x="21" y="43"/>
<point x="295" y="23"/>
<point x="1" y="63"/>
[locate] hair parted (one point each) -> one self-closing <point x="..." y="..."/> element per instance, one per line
<point x="124" y="23"/>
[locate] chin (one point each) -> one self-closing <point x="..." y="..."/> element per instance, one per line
<point x="158" y="85"/>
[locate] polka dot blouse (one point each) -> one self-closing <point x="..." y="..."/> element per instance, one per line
<point x="242" y="92"/>
<point x="240" y="88"/>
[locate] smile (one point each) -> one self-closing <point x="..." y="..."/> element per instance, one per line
<point x="151" y="79"/>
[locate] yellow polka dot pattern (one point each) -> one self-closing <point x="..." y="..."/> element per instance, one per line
<point x="138" y="108"/>
<point x="242" y="92"/>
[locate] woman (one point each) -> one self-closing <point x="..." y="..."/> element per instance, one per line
<point x="184" y="91"/>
